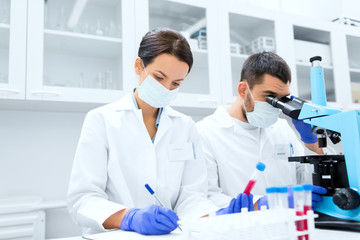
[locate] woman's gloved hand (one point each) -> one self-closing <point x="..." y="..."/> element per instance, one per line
<point x="305" y="130"/>
<point x="242" y="201"/>
<point x="151" y="220"/>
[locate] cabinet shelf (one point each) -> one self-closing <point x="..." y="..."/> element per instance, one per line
<point x="355" y="70"/>
<point x="4" y="34"/>
<point x="241" y="56"/>
<point x="4" y="25"/>
<point x="82" y="44"/>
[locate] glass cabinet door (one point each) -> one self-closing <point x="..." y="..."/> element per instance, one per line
<point x="4" y="40"/>
<point x="81" y="51"/>
<point x="308" y="43"/>
<point x="12" y="49"/>
<point x="192" y="22"/>
<point x="353" y="49"/>
<point x="248" y="35"/>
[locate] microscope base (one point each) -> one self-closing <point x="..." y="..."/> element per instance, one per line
<point x="327" y="222"/>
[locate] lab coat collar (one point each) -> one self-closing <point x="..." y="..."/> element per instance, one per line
<point x="126" y="103"/>
<point x="228" y="121"/>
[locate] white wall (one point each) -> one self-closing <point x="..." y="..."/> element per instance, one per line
<point x="37" y="150"/>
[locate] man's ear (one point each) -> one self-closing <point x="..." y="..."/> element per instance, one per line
<point x="138" y="66"/>
<point x="242" y="89"/>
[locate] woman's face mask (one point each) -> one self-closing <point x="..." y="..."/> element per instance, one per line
<point x="154" y="93"/>
<point x="264" y="115"/>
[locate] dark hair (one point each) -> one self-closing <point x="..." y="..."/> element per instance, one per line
<point x="259" y="64"/>
<point x="163" y="40"/>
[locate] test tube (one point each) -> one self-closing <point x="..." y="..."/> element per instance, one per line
<point x="298" y="192"/>
<point x="307" y="203"/>
<point x="283" y="197"/>
<point x="271" y="193"/>
<point x="255" y="175"/>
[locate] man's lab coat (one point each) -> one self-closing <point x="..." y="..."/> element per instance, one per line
<point x="232" y="149"/>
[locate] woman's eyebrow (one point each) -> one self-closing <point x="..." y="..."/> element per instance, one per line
<point x="167" y="76"/>
<point x="162" y="73"/>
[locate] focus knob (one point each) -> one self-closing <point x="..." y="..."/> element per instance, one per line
<point x="346" y="198"/>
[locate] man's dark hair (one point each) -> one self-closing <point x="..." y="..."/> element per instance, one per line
<point x="163" y="40"/>
<point x="259" y="64"/>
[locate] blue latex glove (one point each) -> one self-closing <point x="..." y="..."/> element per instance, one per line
<point x="151" y="220"/>
<point x="316" y="195"/>
<point x="263" y="201"/>
<point x="305" y="131"/>
<point x="236" y="204"/>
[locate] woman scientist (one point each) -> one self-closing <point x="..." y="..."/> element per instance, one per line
<point x="141" y="140"/>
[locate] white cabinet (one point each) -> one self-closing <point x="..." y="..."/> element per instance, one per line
<point x="79" y="51"/>
<point x="12" y="48"/>
<point x="84" y="51"/>
<point x="353" y="50"/>
<point x="245" y="31"/>
<point x="313" y="39"/>
<point x="197" y="21"/>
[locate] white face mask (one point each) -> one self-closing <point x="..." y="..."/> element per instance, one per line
<point x="155" y="94"/>
<point x="264" y="115"/>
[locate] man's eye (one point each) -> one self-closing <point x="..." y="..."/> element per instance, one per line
<point x="176" y="84"/>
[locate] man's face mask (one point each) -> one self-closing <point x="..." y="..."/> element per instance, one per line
<point x="264" y="115"/>
<point x="154" y="93"/>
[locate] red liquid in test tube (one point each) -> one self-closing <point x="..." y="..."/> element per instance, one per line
<point x="298" y="193"/>
<point x="307" y="204"/>
<point x="249" y="187"/>
<point x="260" y="167"/>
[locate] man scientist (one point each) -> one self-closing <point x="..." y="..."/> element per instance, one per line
<point x="236" y="139"/>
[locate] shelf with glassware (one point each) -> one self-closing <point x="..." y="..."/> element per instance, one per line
<point x="309" y="42"/>
<point x="248" y="35"/>
<point x="81" y="60"/>
<point x="80" y="57"/>
<point x="196" y="21"/>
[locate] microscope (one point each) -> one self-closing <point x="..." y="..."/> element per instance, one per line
<point x="339" y="174"/>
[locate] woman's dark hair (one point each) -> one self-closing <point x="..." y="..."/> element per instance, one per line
<point x="163" y="40"/>
<point x="259" y="64"/>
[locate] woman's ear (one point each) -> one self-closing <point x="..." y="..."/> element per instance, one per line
<point x="242" y="89"/>
<point x="138" y="66"/>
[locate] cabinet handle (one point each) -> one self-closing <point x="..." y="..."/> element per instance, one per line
<point x="208" y="101"/>
<point x="46" y="93"/>
<point x="9" y="90"/>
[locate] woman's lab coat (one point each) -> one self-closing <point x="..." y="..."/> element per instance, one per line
<point x="115" y="158"/>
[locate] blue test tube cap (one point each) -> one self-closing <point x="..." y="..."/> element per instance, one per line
<point x="308" y="187"/>
<point x="297" y="188"/>
<point x="283" y="189"/>
<point x="260" y="166"/>
<point x="271" y="190"/>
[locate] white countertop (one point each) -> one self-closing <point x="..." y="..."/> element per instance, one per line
<point x="318" y="234"/>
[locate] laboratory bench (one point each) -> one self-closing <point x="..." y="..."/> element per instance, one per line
<point x="318" y="234"/>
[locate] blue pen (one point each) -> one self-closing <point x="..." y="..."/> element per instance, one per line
<point x="153" y="193"/>
<point x="156" y="197"/>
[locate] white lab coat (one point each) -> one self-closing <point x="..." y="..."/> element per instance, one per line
<point x="232" y="149"/>
<point x="115" y="158"/>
